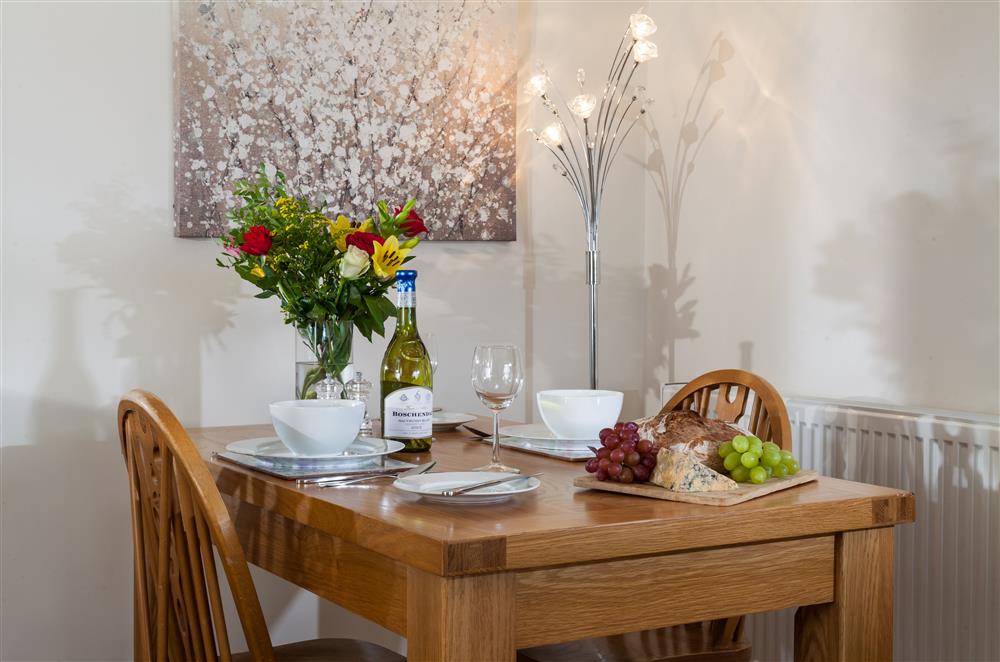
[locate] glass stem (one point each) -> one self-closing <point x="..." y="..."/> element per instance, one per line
<point x="496" y="437"/>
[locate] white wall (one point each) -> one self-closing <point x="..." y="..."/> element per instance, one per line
<point x="868" y="164"/>
<point x="841" y="226"/>
<point x="98" y="297"/>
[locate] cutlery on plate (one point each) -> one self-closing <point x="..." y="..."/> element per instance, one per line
<point x="339" y="481"/>
<point x="477" y="431"/>
<point x="488" y="483"/>
<point x="347" y="475"/>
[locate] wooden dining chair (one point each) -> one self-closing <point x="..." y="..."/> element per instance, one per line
<point x="722" y="639"/>
<point x="178" y="519"/>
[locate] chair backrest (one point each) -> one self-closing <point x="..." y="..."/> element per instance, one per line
<point x="768" y="415"/>
<point x="177" y="517"/>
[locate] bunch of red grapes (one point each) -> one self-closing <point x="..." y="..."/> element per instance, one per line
<point x="623" y="457"/>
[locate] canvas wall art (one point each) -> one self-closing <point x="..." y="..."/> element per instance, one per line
<point x="354" y="101"/>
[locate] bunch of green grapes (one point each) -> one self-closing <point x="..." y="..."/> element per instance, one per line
<point x="750" y="459"/>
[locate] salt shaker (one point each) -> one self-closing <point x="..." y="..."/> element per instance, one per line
<point x="328" y="389"/>
<point x="359" y="389"/>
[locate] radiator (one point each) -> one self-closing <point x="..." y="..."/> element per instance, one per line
<point x="947" y="582"/>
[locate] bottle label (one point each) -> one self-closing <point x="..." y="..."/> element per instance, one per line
<point x="406" y="299"/>
<point x="408" y="413"/>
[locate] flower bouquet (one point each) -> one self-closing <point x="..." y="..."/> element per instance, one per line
<point x="331" y="275"/>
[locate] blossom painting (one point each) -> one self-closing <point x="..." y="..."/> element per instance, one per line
<point x="355" y="102"/>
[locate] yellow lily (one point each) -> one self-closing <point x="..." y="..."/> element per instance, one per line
<point x="339" y="230"/>
<point x="343" y="227"/>
<point x="388" y="258"/>
<point x="257" y="271"/>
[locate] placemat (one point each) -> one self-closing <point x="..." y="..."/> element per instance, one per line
<point x="525" y="446"/>
<point x="289" y="471"/>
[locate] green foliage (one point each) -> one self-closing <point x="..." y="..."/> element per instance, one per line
<point x="302" y="265"/>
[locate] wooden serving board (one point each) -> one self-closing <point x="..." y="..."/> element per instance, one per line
<point x="744" y="492"/>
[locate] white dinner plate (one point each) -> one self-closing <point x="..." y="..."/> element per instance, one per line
<point x="363" y="448"/>
<point x="449" y="420"/>
<point x="541" y="436"/>
<point x="430" y="485"/>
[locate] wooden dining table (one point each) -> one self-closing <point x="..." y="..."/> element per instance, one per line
<point x="475" y="583"/>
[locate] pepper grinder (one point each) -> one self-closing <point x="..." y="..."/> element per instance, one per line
<point x="359" y="389"/>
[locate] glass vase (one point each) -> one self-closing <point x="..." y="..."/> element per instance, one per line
<point x="323" y="359"/>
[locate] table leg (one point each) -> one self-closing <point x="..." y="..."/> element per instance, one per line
<point x="459" y="619"/>
<point x="857" y="625"/>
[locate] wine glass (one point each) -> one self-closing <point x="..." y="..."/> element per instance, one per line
<point x="497" y="378"/>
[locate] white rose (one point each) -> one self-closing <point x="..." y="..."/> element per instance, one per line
<point x="354" y="263"/>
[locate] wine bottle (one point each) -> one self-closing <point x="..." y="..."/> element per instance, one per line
<point x="407" y="379"/>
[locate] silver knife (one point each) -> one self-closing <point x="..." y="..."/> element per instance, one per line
<point x="347" y="475"/>
<point x="489" y="483"/>
<point x="476" y="431"/>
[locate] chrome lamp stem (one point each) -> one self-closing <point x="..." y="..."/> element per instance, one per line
<point x="593" y="271"/>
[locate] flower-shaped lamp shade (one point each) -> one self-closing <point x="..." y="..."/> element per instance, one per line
<point x="641" y="26"/>
<point x="551" y="135"/>
<point x="582" y="105"/>
<point x="537" y="85"/>
<point x="643" y="51"/>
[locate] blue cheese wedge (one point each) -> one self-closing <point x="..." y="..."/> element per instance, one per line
<point x="680" y="471"/>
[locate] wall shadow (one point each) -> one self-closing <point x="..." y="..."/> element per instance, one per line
<point x="555" y="322"/>
<point x="927" y="303"/>
<point x="934" y="254"/>
<point x="65" y="541"/>
<point x="671" y="312"/>
<point x="161" y="312"/>
<point x="64" y="487"/>
<point x="527" y="36"/>
<point x="746" y="355"/>
<point x="141" y="316"/>
<point x="559" y="323"/>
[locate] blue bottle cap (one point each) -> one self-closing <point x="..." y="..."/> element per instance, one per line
<point x="406" y="280"/>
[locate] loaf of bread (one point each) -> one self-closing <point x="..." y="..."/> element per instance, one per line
<point x="687" y="431"/>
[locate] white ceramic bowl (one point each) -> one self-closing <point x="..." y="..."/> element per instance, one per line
<point x="314" y="427"/>
<point x="579" y="413"/>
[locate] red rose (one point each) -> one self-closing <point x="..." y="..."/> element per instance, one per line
<point x="364" y="240"/>
<point x="412" y="225"/>
<point x="257" y="241"/>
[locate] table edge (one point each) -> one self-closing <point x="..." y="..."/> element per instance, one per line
<point x="712" y="526"/>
